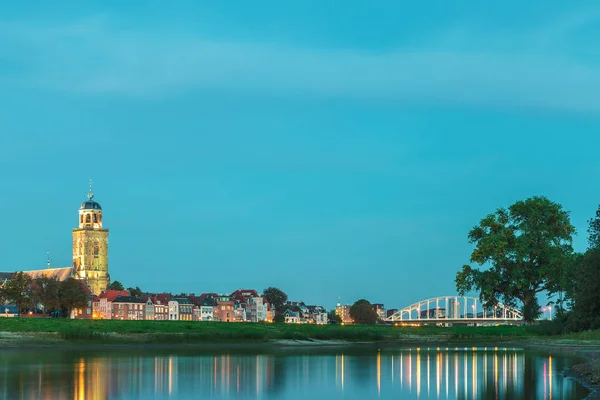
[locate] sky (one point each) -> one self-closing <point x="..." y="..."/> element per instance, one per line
<point x="333" y="152"/>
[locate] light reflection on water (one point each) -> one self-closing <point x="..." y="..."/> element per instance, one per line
<point x="438" y="373"/>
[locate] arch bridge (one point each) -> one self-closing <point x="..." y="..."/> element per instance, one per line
<point x="455" y="310"/>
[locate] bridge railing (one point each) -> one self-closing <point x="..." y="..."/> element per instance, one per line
<point x="463" y="308"/>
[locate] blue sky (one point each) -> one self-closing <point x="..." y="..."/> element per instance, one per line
<point x="329" y="151"/>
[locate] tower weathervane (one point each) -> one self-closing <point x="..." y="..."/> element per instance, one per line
<point x="91" y="193"/>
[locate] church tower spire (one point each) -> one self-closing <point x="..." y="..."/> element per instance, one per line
<point x="90" y="246"/>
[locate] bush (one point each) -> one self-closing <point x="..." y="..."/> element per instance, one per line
<point x="548" y="328"/>
<point x="78" y="333"/>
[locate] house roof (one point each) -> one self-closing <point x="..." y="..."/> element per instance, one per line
<point x="59" y="273"/>
<point x="242" y="295"/>
<point x="128" y="299"/>
<point x="111" y="295"/>
<point x="164" y="297"/>
<point x="182" y="300"/>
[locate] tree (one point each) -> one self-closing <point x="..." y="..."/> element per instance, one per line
<point x="44" y="291"/>
<point x="362" y="312"/>
<point x="72" y="295"/>
<point x="18" y="291"/>
<point x="275" y="297"/>
<point x="528" y="248"/>
<point x="334" y="318"/>
<point x="116" y="285"/>
<point x="594" y="231"/>
<point x="278" y="317"/>
<point x="136" y="292"/>
<point x="584" y="292"/>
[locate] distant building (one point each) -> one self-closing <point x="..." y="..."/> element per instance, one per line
<point x="224" y="311"/>
<point x="90" y="252"/>
<point x="173" y="310"/>
<point x="239" y="313"/>
<point x="149" y="309"/>
<point x="379" y="309"/>
<point x="344" y="313"/>
<point x="207" y="313"/>
<point x="197" y="311"/>
<point x="186" y="309"/>
<point x="291" y="317"/>
<point x="453" y="308"/>
<point x="90" y="247"/>
<point x="258" y="309"/>
<point x="316" y="315"/>
<point x="128" y="308"/>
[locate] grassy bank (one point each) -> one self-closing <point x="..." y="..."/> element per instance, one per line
<point x="112" y="331"/>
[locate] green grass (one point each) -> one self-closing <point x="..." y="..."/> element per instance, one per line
<point x="195" y="332"/>
<point x="587" y="335"/>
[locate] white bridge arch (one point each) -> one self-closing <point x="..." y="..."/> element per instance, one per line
<point x="459" y="309"/>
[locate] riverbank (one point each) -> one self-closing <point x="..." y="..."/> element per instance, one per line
<point x="35" y="331"/>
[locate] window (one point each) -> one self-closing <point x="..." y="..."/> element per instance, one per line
<point x="87" y="218"/>
<point x="81" y="219"/>
<point x="96" y="250"/>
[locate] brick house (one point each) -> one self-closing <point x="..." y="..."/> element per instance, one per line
<point x="225" y="309"/>
<point x="161" y="311"/>
<point x="128" y="308"/>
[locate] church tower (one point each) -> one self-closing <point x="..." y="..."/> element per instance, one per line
<point x="90" y="246"/>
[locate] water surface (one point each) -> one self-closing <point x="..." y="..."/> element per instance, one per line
<point x="331" y="373"/>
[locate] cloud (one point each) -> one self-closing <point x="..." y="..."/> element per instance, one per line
<point x="93" y="57"/>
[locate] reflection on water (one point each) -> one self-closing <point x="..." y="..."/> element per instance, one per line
<point x="438" y="373"/>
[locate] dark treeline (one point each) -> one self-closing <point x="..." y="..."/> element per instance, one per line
<point x="46" y="295"/>
<point x="582" y="286"/>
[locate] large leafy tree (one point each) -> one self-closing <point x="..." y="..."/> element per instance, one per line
<point x="44" y="291"/>
<point x="116" y="285"/>
<point x="136" y="291"/>
<point x="333" y="318"/>
<point x="594" y="231"/>
<point x="18" y="291"/>
<point x="276" y="297"/>
<point x="362" y="312"/>
<point x="72" y="295"/>
<point x="527" y="248"/>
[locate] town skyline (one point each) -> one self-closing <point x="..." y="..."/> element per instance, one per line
<point x="288" y="147"/>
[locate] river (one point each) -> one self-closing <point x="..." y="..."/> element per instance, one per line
<point x="287" y="373"/>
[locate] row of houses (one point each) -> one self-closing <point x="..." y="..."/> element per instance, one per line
<point x="306" y="315"/>
<point x="240" y="306"/>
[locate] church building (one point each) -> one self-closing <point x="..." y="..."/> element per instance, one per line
<point x="90" y="251"/>
<point x="90" y="247"/>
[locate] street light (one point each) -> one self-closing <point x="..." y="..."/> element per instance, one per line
<point x="550" y="308"/>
